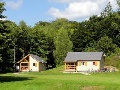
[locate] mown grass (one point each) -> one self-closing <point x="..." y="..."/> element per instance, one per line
<point x="54" y="79"/>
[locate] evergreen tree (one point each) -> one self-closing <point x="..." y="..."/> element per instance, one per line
<point x="2" y="9"/>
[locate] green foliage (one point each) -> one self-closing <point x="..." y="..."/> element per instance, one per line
<point x="6" y="45"/>
<point x="23" y="38"/>
<point x="118" y="3"/>
<point x="106" y="45"/>
<point x="41" y="44"/>
<point x="107" y="11"/>
<point x="63" y="45"/>
<point x="53" y="40"/>
<point x="2" y="9"/>
<point x="113" y="60"/>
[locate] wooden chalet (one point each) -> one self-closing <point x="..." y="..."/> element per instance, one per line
<point x="31" y="63"/>
<point x="84" y="61"/>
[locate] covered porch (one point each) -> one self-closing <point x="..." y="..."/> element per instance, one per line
<point x="24" y="64"/>
<point x="70" y="66"/>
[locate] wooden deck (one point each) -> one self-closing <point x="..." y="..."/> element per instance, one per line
<point x="70" y="70"/>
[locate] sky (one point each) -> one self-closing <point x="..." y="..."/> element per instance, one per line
<point x="33" y="11"/>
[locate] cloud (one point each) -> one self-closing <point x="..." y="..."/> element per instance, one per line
<point x="14" y="5"/>
<point x="114" y="4"/>
<point x="78" y="9"/>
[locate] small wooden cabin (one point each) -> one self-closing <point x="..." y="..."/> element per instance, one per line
<point x="31" y="62"/>
<point x="84" y="61"/>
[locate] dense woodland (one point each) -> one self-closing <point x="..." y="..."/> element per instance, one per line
<point x="52" y="40"/>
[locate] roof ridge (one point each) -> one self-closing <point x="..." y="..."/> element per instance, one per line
<point x="74" y="56"/>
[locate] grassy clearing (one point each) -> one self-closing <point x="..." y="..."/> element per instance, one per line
<point x="54" y="79"/>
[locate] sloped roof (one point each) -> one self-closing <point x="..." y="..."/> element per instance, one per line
<point x="74" y="56"/>
<point x="37" y="58"/>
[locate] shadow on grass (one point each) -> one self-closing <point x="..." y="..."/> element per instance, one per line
<point x="13" y="78"/>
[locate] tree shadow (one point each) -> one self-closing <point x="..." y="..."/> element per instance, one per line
<point x="13" y="78"/>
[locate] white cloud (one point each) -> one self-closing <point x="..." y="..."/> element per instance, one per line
<point x="14" y="5"/>
<point x="78" y="9"/>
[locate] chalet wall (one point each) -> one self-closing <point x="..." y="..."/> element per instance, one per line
<point x="33" y="68"/>
<point x="88" y="65"/>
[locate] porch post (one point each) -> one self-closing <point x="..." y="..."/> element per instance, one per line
<point x="20" y="67"/>
<point x="75" y="67"/>
<point x="65" y="66"/>
<point x="29" y="63"/>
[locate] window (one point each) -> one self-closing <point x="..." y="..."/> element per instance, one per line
<point x="82" y="63"/>
<point x="93" y="63"/>
<point x="33" y="64"/>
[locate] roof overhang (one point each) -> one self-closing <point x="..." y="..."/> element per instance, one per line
<point x="23" y="58"/>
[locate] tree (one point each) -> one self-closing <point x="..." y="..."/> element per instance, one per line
<point x="62" y="46"/>
<point x="107" y="11"/>
<point x="23" y="39"/>
<point x="6" y="59"/>
<point x="6" y="45"/>
<point x="2" y="9"/>
<point x="82" y="37"/>
<point x="110" y="27"/>
<point x="106" y="45"/>
<point x="118" y="3"/>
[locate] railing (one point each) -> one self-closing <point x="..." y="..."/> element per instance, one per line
<point x="24" y="67"/>
<point x="70" y="67"/>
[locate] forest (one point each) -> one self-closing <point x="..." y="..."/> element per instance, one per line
<point x="53" y="40"/>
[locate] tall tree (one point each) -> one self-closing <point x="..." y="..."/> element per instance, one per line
<point x="5" y="39"/>
<point x="6" y="45"/>
<point x="42" y="34"/>
<point x="2" y="9"/>
<point x="62" y="46"/>
<point x="106" y="45"/>
<point x="110" y="27"/>
<point x="82" y="37"/>
<point x="23" y="39"/>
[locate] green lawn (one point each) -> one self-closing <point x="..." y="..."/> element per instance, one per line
<point x="56" y="80"/>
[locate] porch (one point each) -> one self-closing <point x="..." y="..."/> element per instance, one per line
<point x="24" y="64"/>
<point x="70" y="67"/>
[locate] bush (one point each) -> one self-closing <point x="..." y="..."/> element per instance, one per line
<point x="9" y="69"/>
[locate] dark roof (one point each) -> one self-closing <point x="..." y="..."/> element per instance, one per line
<point x="75" y="56"/>
<point x="37" y="58"/>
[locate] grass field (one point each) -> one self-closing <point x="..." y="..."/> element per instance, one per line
<point x="56" y="80"/>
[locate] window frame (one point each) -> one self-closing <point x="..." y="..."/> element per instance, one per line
<point x="33" y="64"/>
<point x="82" y="63"/>
<point x="93" y="63"/>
